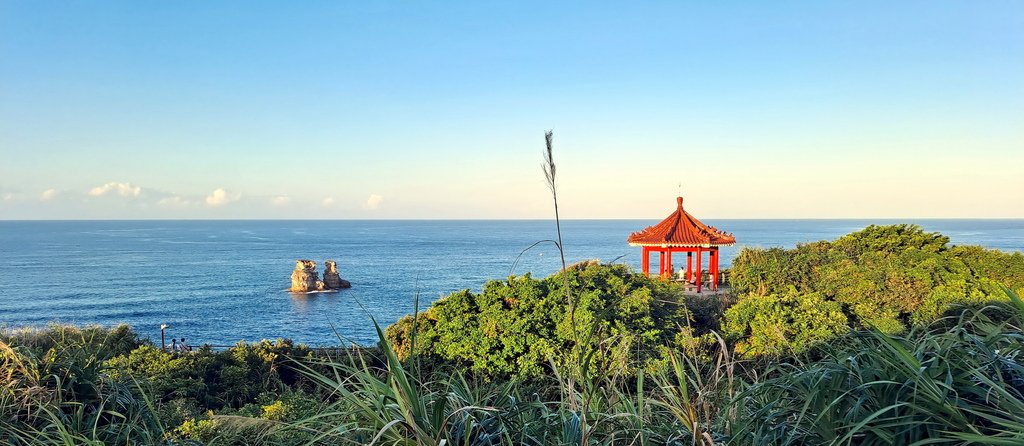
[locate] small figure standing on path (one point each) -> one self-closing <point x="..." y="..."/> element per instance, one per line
<point x="174" y="345"/>
<point x="184" y="346"/>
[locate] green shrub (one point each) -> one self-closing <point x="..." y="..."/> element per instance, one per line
<point x="517" y="327"/>
<point x="779" y="324"/>
<point x="270" y="420"/>
<point x="168" y="376"/>
<point x="886" y="278"/>
<point x="999" y="266"/>
<point x="214" y="379"/>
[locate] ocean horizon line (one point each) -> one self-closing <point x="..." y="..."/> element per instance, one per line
<point x="887" y="219"/>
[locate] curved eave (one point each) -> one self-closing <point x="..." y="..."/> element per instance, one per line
<point x="680" y="245"/>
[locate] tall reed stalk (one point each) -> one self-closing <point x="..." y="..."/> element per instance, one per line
<point x="549" y="174"/>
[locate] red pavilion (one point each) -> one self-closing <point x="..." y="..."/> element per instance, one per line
<point x="680" y="232"/>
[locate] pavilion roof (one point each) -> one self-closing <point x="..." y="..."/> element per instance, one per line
<point x="681" y="229"/>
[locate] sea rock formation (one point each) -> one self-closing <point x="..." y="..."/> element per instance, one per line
<point x="333" y="280"/>
<point x="306" y="279"/>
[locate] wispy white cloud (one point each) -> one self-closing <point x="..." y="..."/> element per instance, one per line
<point x="10" y="196"/>
<point x="281" y="200"/>
<point x="373" y="202"/>
<point x="327" y="202"/>
<point x="174" y="201"/>
<point x="122" y="189"/>
<point x="220" y="197"/>
<point x="48" y="195"/>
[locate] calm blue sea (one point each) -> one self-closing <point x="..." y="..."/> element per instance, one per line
<point x="219" y="282"/>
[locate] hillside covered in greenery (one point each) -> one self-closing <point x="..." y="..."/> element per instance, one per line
<point x="886" y="278"/>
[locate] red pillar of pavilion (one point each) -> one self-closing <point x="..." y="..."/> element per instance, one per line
<point x="700" y="270"/>
<point x="645" y="261"/>
<point x="714" y="269"/>
<point x="681" y="232"/>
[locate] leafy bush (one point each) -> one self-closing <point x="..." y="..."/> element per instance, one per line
<point x="887" y="278"/>
<point x="271" y="420"/>
<point x="231" y="378"/>
<point x="1005" y="268"/>
<point x="778" y="324"/>
<point x="520" y="325"/>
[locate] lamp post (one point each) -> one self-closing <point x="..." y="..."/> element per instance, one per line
<point x="163" y="345"/>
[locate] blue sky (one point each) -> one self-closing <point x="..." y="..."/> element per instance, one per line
<point x="437" y="110"/>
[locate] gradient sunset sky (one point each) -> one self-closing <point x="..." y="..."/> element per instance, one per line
<point x="812" y="109"/>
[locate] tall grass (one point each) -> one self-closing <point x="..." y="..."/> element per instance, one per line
<point x="53" y="389"/>
<point x="959" y="381"/>
<point x="393" y="405"/>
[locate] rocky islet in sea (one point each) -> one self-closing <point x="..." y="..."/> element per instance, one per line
<point x="305" y="278"/>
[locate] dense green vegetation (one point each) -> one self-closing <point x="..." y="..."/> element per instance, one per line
<point x="958" y="382"/>
<point x="884" y="336"/>
<point x="521" y="326"/>
<point x="887" y="278"/>
<point x="107" y="386"/>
